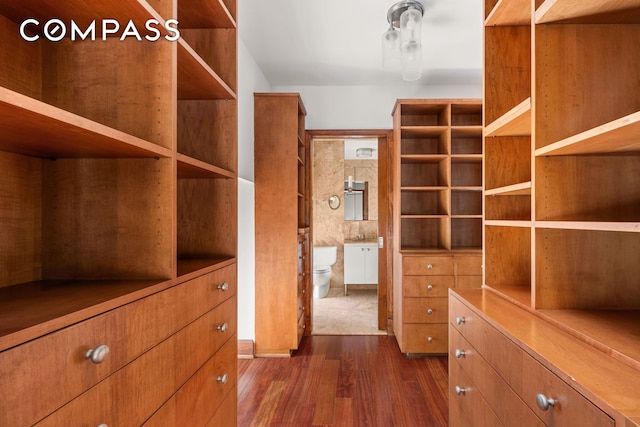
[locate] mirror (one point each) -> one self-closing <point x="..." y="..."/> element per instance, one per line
<point x="356" y="201"/>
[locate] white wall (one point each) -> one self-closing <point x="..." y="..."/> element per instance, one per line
<point x="250" y="80"/>
<point x="365" y="107"/>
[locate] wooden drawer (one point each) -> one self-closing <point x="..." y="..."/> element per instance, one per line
<point x="427" y="286"/>
<point x="507" y="405"/>
<point x="133" y="393"/>
<point x="203" y="396"/>
<point x="425" y="338"/>
<point x="469" y="265"/>
<point x="227" y="413"/>
<point x="467" y="407"/>
<point x="427" y="265"/>
<point x="425" y="310"/>
<point x="61" y="372"/>
<point x="570" y="408"/>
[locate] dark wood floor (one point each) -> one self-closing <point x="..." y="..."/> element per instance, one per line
<point x="344" y="381"/>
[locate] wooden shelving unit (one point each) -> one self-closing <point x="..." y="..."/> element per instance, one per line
<point x="562" y="161"/>
<point x="283" y="224"/>
<point x="119" y="188"/>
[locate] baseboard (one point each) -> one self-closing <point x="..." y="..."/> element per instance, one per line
<point x="245" y="349"/>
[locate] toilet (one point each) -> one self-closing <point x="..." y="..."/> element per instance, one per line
<point x="323" y="258"/>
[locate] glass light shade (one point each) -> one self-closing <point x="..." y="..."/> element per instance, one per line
<point x="411" y="26"/>
<point x="391" y="48"/>
<point x="411" y="61"/>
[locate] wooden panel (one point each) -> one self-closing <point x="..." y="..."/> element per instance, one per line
<point x="508" y="256"/>
<point x="468" y="265"/>
<point x="508" y="160"/>
<point x="468" y="282"/>
<point x="425" y="310"/>
<point x="427" y="265"/>
<point x="217" y="47"/>
<point x="126" y="211"/>
<point x="21" y="62"/>
<point x="427" y="286"/>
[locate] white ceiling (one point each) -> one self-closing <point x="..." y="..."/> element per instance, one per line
<point x="338" y="42"/>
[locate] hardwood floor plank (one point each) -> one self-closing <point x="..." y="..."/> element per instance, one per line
<point x="344" y="381"/>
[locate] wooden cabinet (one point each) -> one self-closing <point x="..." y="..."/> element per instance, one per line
<point x="421" y="310"/>
<point x="437" y="211"/>
<point x="360" y="264"/>
<point x="528" y="370"/>
<point x="561" y="168"/>
<point x="282" y="196"/>
<point x="117" y="212"/>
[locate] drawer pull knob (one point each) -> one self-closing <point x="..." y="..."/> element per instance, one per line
<point x="222" y="378"/>
<point x="430" y="339"/>
<point x="223" y="327"/>
<point x="102" y="425"/>
<point x="430" y="287"/>
<point x="460" y="320"/>
<point x="460" y="391"/>
<point x="544" y="402"/>
<point x="430" y="311"/>
<point x="223" y="287"/>
<point x="460" y="353"/>
<point x="98" y="354"/>
<point x="429" y="267"/>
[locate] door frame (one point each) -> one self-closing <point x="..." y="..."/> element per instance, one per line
<point x="385" y="223"/>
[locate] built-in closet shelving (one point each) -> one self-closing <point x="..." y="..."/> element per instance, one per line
<point x="119" y="191"/>
<point x="561" y="194"/>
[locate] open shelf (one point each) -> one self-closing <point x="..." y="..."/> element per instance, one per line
<point x="205" y="14"/>
<point x="521" y="189"/>
<point x="617" y="136"/>
<point x="585" y="12"/>
<point x="507" y="12"/>
<point x="196" y="79"/>
<point x="515" y="122"/>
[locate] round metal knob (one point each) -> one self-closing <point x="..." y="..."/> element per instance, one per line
<point x="430" y="311"/>
<point x="223" y="287"/>
<point x="223" y="327"/>
<point x="98" y="354"/>
<point x="460" y="391"/>
<point x="102" y="425"/>
<point x="429" y="267"/>
<point x="430" y="339"/>
<point x="460" y="320"/>
<point x="430" y="287"/>
<point x="544" y="402"/>
<point x="222" y="378"/>
<point x="460" y="353"/>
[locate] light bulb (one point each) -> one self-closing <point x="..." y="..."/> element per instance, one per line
<point x="391" y="48"/>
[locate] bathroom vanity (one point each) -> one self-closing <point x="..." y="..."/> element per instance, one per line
<point x="360" y="264"/>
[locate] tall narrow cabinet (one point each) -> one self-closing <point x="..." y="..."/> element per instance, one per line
<point x="437" y="214"/>
<point x="118" y="216"/>
<point x="562" y="215"/>
<point x="282" y="211"/>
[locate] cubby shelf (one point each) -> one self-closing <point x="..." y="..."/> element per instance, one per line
<point x="563" y="10"/>
<point x="521" y="189"/>
<point x="196" y="79"/>
<point x="205" y="14"/>
<point x="515" y="122"/>
<point x="505" y="12"/>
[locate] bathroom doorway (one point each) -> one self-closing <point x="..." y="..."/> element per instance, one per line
<point x="351" y="186"/>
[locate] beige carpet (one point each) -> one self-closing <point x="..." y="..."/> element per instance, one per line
<point x="353" y="314"/>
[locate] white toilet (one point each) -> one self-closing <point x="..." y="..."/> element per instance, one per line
<point x="323" y="258"/>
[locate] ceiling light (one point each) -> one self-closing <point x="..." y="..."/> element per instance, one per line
<point x="364" y="153"/>
<point x="404" y="47"/>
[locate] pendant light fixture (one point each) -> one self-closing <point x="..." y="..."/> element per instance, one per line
<point x="403" y="47"/>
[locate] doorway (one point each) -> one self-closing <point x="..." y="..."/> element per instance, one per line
<point x="336" y="179"/>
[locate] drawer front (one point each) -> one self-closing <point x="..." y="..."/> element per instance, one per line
<point x="469" y="265"/>
<point x="135" y="392"/>
<point x="227" y="413"/>
<point x="203" y="396"/>
<point x="425" y="310"/>
<point x="61" y="372"/>
<point x="506" y="404"/>
<point x="425" y="338"/>
<point x="468" y="282"/>
<point x="570" y="407"/>
<point x="427" y="286"/>
<point x="427" y="265"/>
<point x="467" y="407"/>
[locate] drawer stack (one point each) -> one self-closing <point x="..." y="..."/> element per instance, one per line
<point x="495" y="380"/>
<point x="426" y="280"/>
<point x="119" y="367"/>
